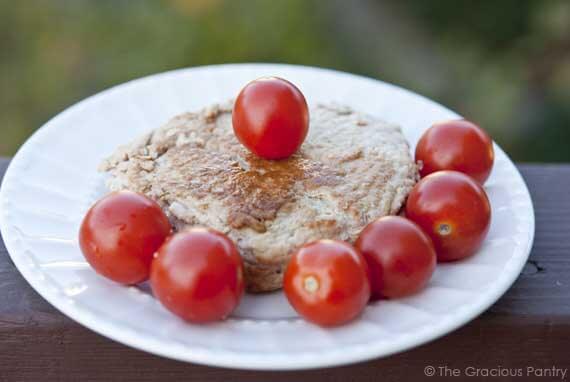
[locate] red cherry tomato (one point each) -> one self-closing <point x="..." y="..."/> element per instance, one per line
<point x="271" y="118"/>
<point x="198" y="275"/>
<point x="453" y="210"/>
<point x="326" y="282"/>
<point x="457" y="145"/>
<point x="120" y="234"/>
<point x="400" y="256"/>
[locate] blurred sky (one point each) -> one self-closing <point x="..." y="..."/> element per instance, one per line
<point x="504" y="64"/>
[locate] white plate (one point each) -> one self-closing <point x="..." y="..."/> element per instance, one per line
<point x="53" y="180"/>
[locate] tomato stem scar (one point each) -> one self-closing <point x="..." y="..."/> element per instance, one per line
<point x="444" y="229"/>
<point x="311" y="284"/>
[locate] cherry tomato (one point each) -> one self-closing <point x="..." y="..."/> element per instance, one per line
<point x="457" y="145"/>
<point x="326" y="282"/>
<point x="120" y="234"/>
<point x="198" y="275"/>
<point x="400" y="256"/>
<point x="453" y="210"/>
<point x="271" y="118"/>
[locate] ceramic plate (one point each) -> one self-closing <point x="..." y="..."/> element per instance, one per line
<point x="52" y="181"/>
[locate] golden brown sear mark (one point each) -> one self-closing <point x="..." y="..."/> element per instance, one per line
<point x="252" y="188"/>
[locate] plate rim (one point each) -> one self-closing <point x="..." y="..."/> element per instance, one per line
<point x="249" y="361"/>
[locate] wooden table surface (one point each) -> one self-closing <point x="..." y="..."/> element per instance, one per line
<point x="528" y="327"/>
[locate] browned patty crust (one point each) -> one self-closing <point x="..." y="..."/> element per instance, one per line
<point x="351" y="169"/>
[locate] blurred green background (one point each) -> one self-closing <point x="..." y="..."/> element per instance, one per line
<point x="504" y="64"/>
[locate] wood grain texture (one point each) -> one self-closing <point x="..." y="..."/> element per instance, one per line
<point x="528" y="326"/>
